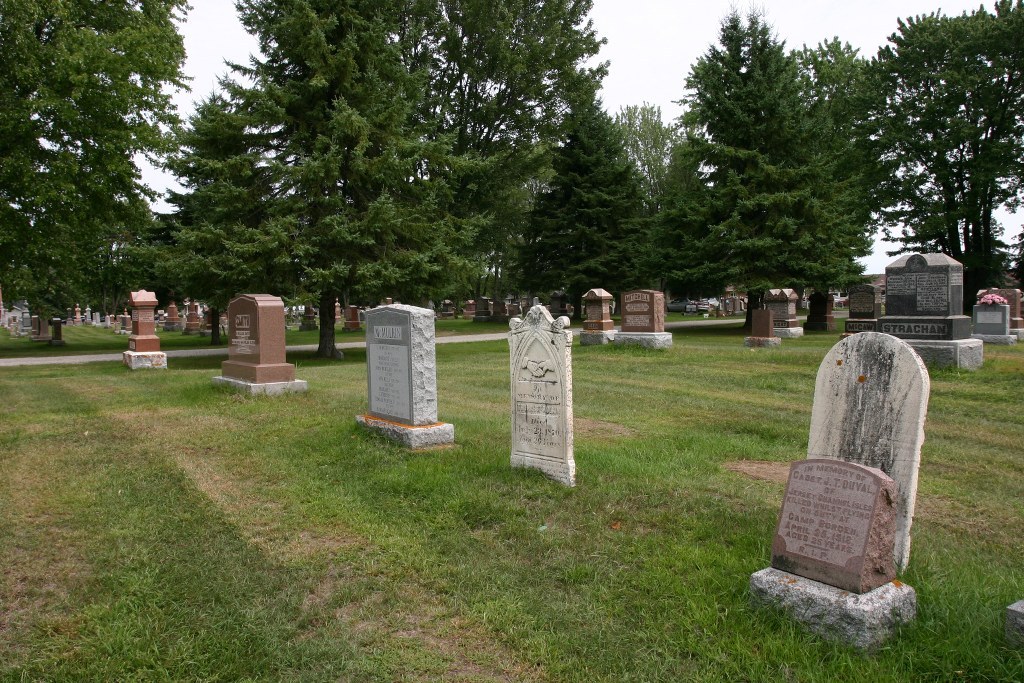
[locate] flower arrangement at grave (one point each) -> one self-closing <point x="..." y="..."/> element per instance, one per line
<point x="992" y="299"/>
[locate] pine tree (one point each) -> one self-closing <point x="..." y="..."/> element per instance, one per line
<point x="585" y="229"/>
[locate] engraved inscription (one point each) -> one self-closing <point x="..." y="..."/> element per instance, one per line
<point x="931" y="290"/>
<point x="389" y="380"/>
<point x="861" y="302"/>
<point x="923" y="329"/>
<point x="243" y="341"/>
<point x="990" y="317"/>
<point x="826" y="515"/>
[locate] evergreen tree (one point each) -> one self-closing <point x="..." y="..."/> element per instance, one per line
<point x="763" y="210"/>
<point x="84" y="89"/>
<point x="584" y="230"/>
<point x="944" y="125"/>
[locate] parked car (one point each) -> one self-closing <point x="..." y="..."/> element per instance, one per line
<point x="677" y="305"/>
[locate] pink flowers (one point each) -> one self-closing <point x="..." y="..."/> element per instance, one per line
<point x="992" y="300"/>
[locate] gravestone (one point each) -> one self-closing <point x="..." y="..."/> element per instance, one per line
<point x="499" y="312"/>
<point x="559" y="305"/>
<point x="1013" y="300"/>
<point x="819" y="315"/>
<point x="143" y="345"/>
<point x="337" y="311"/>
<point x="401" y="377"/>
<point x="206" y="326"/>
<point x="96" y="319"/>
<point x="308" y="319"/>
<point x="870" y="401"/>
<point x="782" y="304"/>
<point x="192" y="321"/>
<point x="924" y="307"/>
<point x="482" y="312"/>
<point x="352" y="319"/>
<point x="598" y="328"/>
<point x="837" y="525"/>
<point x="514" y="309"/>
<point x="40" y="329"/>
<point x="1015" y="625"/>
<point x="256" y="361"/>
<point x="991" y="324"/>
<point x="70" y="317"/>
<point x="447" y="309"/>
<point x="56" y="333"/>
<point x="87" y="318"/>
<point x="643" y="320"/>
<point x="77" y="320"/>
<point x="469" y="308"/>
<point x="865" y="305"/>
<point x="540" y="355"/>
<point x="762" y="330"/>
<point x="172" y="323"/>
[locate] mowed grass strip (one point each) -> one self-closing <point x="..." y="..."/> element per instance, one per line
<point x="154" y="527"/>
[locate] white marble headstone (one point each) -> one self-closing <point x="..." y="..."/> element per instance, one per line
<point x="870" y="403"/>
<point x="541" y="379"/>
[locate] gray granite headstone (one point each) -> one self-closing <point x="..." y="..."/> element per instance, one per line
<point x="870" y="403"/>
<point x="401" y="367"/>
<point x="865" y="305"/>
<point x="924" y="298"/>
<point x="782" y="304"/>
<point x="541" y="381"/>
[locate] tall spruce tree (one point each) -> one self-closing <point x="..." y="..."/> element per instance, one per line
<point x="585" y="229"/>
<point x="944" y="125"/>
<point x="762" y="211"/>
<point x="357" y="186"/>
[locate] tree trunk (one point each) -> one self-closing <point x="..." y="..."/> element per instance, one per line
<point x="327" y="348"/>
<point x="214" y="326"/>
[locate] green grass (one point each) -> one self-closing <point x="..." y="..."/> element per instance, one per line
<point x="153" y="528"/>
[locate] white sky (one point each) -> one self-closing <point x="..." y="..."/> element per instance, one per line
<point x="652" y="45"/>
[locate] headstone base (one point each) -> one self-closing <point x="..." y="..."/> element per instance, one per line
<point x="648" y="340"/>
<point x="144" y="360"/>
<point x="57" y="342"/>
<point x="817" y="326"/>
<point x="861" y="325"/>
<point x="1015" y="624"/>
<point x="966" y="354"/>
<point x="1019" y="334"/>
<point x="124" y="331"/>
<point x="481" y="318"/>
<point x="864" y="621"/>
<point x="173" y="327"/>
<point x="437" y="434"/>
<point x="1001" y="339"/>
<point x="788" y="332"/>
<point x="304" y="327"/>
<point x="761" y="342"/>
<point x="596" y="337"/>
<point x="240" y="386"/>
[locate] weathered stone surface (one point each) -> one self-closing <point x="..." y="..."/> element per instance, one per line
<point x="540" y="355"/>
<point x="761" y="342"/>
<point x="1015" y="624"/>
<point x="924" y="300"/>
<point x="966" y="354"/>
<point x="648" y="340"/>
<point x="596" y="338"/>
<point x="401" y="364"/>
<point x="782" y="304"/>
<point x="998" y="339"/>
<point x="864" y="621"/>
<point x="144" y="360"/>
<point x="870" y="403"/>
<point x="241" y="386"/>
<point x="256" y="344"/>
<point x="426" y="436"/>
<point x="837" y="525"/>
<point x="643" y="311"/>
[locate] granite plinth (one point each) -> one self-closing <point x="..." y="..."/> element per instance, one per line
<point x="761" y="342"/>
<point x="437" y="434"/>
<point x="966" y="354"/>
<point x="241" y="386"/>
<point x="144" y="360"/>
<point x="999" y="339"/>
<point x="1015" y="624"/>
<point x="865" y="621"/>
<point x="1019" y="333"/>
<point x="648" y="340"/>
<point x="264" y="373"/>
<point x="788" y="332"/>
<point x="595" y="338"/>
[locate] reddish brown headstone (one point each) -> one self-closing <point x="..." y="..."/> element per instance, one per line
<point x="643" y="311"/>
<point x="256" y="346"/>
<point x="598" y="303"/>
<point x="837" y="525"/>
<point x="352" y="319"/>
<point x="762" y="323"/>
<point x="143" y="339"/>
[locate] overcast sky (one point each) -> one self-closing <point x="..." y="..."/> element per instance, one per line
<point x="652" y="45"/>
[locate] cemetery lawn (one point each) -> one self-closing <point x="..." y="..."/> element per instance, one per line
<point x="154" y="528"/>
